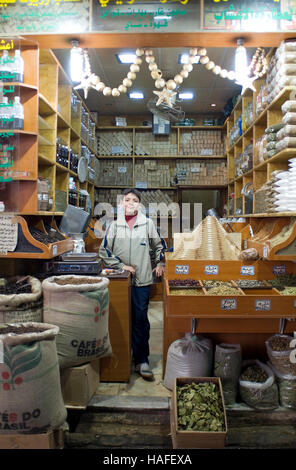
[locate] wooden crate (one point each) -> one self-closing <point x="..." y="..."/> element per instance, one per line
<point x="196" y="439"/>
<point x="49" y="440"/>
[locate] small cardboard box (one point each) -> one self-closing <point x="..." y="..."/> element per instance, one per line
<point x="49" y="440"/>
<point x="79" y="384"/>
<point x="195" y="439"/>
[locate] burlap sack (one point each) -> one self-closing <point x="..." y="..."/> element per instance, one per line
<point x="81" y="311"/>
<point x="21" y="308"/>
<point x="30" y="390"/>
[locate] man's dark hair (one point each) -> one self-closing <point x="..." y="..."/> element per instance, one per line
<point x="132" y="191"/>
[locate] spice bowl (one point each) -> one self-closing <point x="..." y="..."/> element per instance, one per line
<point x="192" y="439"/>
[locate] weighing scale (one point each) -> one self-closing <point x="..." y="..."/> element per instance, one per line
<point x="75" y="263"/>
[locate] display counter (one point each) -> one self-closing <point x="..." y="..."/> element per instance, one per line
<point x="248" y="318"/>
<point x="117" y="368"/>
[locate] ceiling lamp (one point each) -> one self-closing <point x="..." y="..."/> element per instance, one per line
<point x="241" y="66"/>
<point x="76" y="62"/>
<point x="136" y="95"/>
<point x="126" y="57"/>
<point x="185" y="95"/>
<point x="184" y="59"/>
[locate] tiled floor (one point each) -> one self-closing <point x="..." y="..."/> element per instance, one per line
<point x="138" y="386"/>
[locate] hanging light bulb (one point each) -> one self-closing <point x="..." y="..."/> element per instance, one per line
<point x="76" y="62"/>
<point x="241" y="66"/>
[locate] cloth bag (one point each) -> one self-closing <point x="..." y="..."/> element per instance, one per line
<point x="81" y="311"/>
<point x="30" y="390"/>
<point x="20" y="308"/>
<point x="191" y="356"/>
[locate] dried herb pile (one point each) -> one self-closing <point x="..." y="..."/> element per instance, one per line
<point x="254" y="374"/>
<point x="289" y="291"/>
<point x="199" y="407"/>
<point x="43" y="237"/>
<point x="250" y="284"/>
<point x="278" y="343"/>
<point x="183" y="283"/>
<point x="76" y="281"/>
<point x="186" y="292"/>
<point x="283" y="281"/>
<point x="223" y="290"/>
<point x="216" y="283"/>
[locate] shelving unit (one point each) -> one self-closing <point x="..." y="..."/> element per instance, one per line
<point x="131" y="141"/>
<point x="261" y="172"/>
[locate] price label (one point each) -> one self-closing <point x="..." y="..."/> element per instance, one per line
<point x="228" y="304"/>
<point x="265" y="252"/>
<point x="181" y="269"/>
<point x="245" y="244"/>
<point x="251" y="231"/>
<point x="247" y="270"/>
<point x="195" y="169"/>
<point x="205" y="152"/>
<point x="263" y="305"/>
<point x="211" y="269"/>
<point x="279" y="270"/>
<point x="115" y="149"/>
<point x="54" y="250"/>
<point x="141" y="184"/>
<point x="122" y="169"/>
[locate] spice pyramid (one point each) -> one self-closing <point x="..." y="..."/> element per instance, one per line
<point x="208" y="240"/>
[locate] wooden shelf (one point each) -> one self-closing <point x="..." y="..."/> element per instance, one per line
<point x="45" y="108"/>
<point x="43" y="124"/>
<point x="44" y="160"/>
<point x="43" y="141"/>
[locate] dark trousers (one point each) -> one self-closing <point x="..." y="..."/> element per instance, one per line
<point x="140" y="324"/>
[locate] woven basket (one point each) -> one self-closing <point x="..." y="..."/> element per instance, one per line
<point x="281" y="359"/>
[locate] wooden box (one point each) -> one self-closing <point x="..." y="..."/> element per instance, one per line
<point x="195" y="439"/>
<point x="80" y="383"/>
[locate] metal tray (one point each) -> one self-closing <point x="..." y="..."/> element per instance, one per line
<point x="85" y="257"/>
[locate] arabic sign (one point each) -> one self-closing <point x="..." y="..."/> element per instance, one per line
<point x="139" y="16"/>
<point x="181" y="269"/>
<point x="44" y="16"/>
<point x="249" y="15"/>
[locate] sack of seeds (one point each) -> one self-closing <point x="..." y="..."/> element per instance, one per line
<point x="79" y="306"/>
<point x="257" y="386"/>
<point x="21" y="300"/>
<point x="287" y="388"/>
<point x="227" y="366"/>
<point x="191" y="356"/>
<point x="278" y="351"/>
<point x="30" y="389"/>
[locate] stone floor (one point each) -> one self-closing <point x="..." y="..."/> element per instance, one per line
<point x="138" y="386"/>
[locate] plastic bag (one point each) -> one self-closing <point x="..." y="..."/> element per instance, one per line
<point x="287" y="388"/>
<point x="191" y="356"/>
<point x="286" y="142"/>
<point x="287" y="131"/>
<point x="289" y="118"/>
<point x="274" y="128"/>
<point x="227" y="366"/>
<point x="261" y="396"/>
<point x="249" y="254"/>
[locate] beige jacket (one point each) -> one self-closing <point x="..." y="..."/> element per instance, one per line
<point x="133" y="247"/>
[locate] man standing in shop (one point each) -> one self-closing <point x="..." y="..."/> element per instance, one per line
<point x="130" y="242"/>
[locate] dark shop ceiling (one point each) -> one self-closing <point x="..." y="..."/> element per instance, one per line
<point x="208" y="88"/>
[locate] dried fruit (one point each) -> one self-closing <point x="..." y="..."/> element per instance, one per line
<point x="254" y="374"/>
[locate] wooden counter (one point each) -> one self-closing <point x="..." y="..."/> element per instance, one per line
<point x="117" y="368"/>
